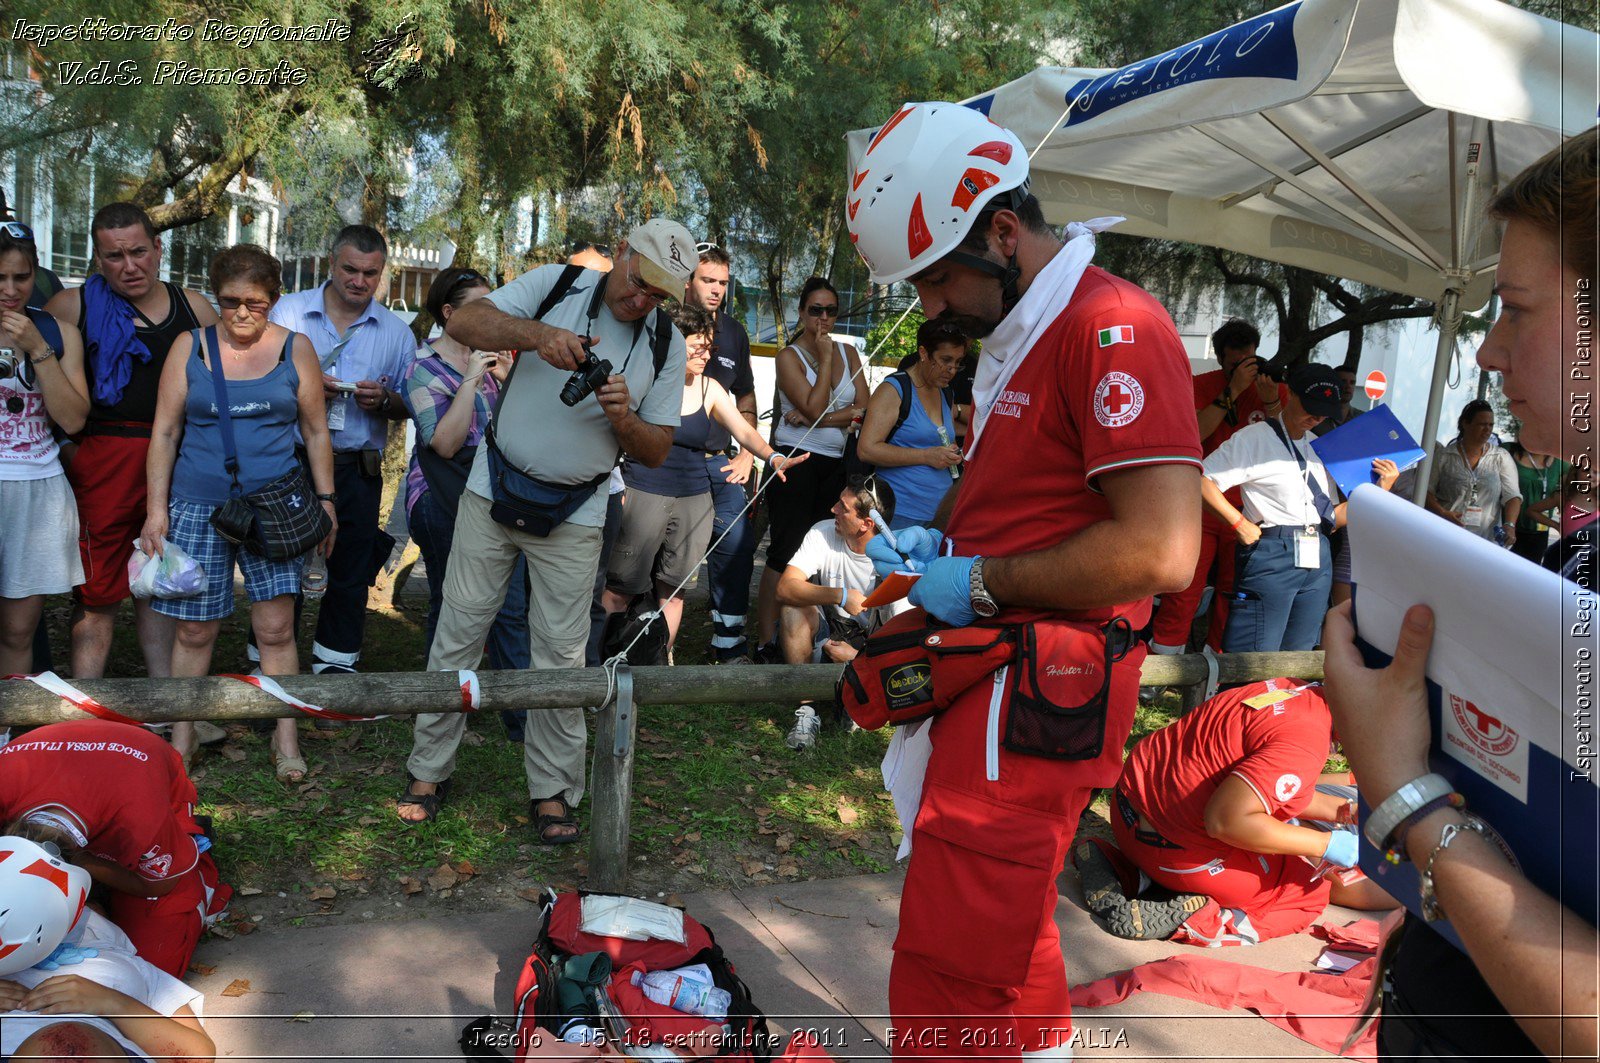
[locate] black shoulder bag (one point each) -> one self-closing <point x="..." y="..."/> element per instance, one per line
<point x="281" y="521"/>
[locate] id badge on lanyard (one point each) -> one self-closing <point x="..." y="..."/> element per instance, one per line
<point x="1307" y="548"/>
<point x="1475" y="514"/>
<point x="336" y="411"/>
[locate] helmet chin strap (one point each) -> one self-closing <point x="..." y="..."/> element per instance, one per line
<point x="1007" y="275"/>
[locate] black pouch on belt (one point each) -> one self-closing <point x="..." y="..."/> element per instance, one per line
<point x="1060" y="687"/>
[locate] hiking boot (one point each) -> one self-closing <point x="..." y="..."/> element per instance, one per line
<point x="803" y="735"/>
<point x="1154" y="915"/>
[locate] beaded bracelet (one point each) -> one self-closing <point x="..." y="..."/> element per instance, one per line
<point x="1394" y="846"/>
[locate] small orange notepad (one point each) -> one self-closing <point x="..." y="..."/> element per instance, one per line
<point x="894" y="587"/>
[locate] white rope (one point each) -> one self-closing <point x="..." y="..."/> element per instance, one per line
<point x="767" y="480"/>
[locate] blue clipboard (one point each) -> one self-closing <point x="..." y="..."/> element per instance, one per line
<point x="1349" y="450"/>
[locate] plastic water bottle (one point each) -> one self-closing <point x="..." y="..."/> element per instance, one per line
<point x="685" y="994"/>
<point x="944" y="439"/>
<point x="314" y="580"/>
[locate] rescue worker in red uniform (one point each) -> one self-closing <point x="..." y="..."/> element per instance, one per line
<point x="1204" y="806"/>
<point x="1081" y="499"/>
<point x="1225" y="400"/>
<point x="117" y="798"/>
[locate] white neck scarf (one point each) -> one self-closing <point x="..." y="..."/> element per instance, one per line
<point x="1005" y="349"/>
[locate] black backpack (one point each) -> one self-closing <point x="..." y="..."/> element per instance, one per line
<point x="908" y="391"/>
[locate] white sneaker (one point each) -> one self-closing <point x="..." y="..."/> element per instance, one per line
<point x="803" y="735"/>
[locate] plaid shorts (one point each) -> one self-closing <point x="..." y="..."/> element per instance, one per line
<point x="263" y="580"/>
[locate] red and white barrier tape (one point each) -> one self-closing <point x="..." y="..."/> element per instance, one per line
<point x="471" y="696"/>
<point x="69" y="693"/>
<point x="471" y="693"/>
<point x="269" y="685"/>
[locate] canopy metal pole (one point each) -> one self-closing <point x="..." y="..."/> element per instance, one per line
<point x="1464" y="247"/>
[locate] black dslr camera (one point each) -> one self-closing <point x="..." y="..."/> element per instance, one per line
<point x="590" y="374"/>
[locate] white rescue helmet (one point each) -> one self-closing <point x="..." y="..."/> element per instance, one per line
<point x="42" y="897"/>
<point x="927" y="176"/>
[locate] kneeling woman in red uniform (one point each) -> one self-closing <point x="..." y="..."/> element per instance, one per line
<point x="117" y="800"/>
<point x="1208" y="805"/>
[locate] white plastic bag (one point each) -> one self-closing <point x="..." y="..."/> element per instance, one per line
<point x="174" y="574"/>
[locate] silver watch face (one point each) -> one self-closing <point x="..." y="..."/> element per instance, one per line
<point x="985" y="607"/>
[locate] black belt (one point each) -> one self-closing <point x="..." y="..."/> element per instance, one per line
<point x="350" y="457"/>
<point x="1131" y="817"/>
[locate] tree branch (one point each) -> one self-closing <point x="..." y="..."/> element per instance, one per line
<point x="1231" y="276"/>
<point x="1363" y="319"/>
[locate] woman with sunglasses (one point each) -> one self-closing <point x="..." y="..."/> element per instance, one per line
<point x="821" y="393"/>
<point x="42" y="388"/>
<point x="666" y="518"/>
<point x="274" y="384"/>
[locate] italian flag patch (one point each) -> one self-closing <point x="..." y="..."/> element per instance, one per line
<point x="1116" y="334"/>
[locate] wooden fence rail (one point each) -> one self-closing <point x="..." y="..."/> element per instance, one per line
<point x="219" y="698"/>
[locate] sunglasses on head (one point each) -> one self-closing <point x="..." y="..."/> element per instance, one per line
<point x="704" y="246"/>
<point x="823" y="310"/>
<point x="17" y="231"/>
<point x="468" y="278"/>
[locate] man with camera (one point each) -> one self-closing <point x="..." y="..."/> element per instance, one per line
<point x="601" y="375"/>
<point x="1225" y="400"/>
<point x="365" y="351"/>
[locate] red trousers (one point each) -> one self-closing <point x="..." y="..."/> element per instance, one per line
<point x="1176" y="615"/>
<point x="978" y="971"/>
<point x="166" y="929"/>
<point x="1278" y="895"/>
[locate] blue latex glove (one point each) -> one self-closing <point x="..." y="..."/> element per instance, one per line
<point x="1341" y="850"/>
<point x="945" y="590"/>
<point x="65" y="955"/>
<point x="920" y="545"/>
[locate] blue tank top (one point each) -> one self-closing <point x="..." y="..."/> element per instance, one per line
<point x="683" y="474"/>
<point x="265" y="412"/>
<point x="918" y="489"/>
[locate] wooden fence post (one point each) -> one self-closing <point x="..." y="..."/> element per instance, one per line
<point x="614" y="731"/>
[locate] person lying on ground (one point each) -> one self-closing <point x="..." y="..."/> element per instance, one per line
<point x="110" y="1003"/>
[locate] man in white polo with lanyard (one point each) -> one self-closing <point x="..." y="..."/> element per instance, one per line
<point x="365" y="351"/>
<point x="558" y="316"/>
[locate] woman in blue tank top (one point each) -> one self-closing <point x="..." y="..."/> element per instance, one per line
<point x="274" y="385"/>
<point x="41" y="388"/>
<point x="666" y="517"/>
<point x="919" y="459"/>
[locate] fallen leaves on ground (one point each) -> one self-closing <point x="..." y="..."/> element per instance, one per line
<point x="248" y="891"/>
<point x="751" y="867"/>
<point x="202" y="969"/>
<point x="848" y="815"/>
<point x="783" y="842"/>
<point x="237" y="988"/>
<point x="232" y="752"/>
<point x="410" y="886"/>
<point x="444" y="877"/>
<point x="532" y="896"/>
<point x="324" y="893"/>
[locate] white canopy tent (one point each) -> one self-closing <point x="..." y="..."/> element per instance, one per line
<point x="1357" y="138"/>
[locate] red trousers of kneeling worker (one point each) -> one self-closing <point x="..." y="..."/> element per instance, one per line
<point x="1217" y="804"/>
<point x="118" y="802"/>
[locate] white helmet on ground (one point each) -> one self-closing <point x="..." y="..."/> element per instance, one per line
<point x="41" y="899"/>
<point x="927" y="176"/>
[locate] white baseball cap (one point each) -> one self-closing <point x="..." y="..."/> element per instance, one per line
<point x="667" y="257"/>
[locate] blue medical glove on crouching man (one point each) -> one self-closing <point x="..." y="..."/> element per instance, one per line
<point x="945" y="589"/>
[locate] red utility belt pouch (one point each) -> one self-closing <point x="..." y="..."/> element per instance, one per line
<point x="1061" y="685"/>
<point x="914" y="667"/>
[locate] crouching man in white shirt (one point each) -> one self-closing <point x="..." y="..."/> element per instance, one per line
<point x="822" y="589"/>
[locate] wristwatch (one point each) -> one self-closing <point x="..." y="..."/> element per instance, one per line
<point x="983" y="603"/>
<point x="331" y="496"/>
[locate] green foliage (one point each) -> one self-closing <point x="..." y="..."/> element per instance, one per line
<point x="897" y="341"/>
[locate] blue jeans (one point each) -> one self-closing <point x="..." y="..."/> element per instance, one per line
<point x="1274" y="604"/>
<point x="730" y="564"/>
<point x="433" y="531"/>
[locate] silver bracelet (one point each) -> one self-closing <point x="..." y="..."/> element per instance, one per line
<point x="1400" y="804"/>
<point x="1432" y="911"/>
